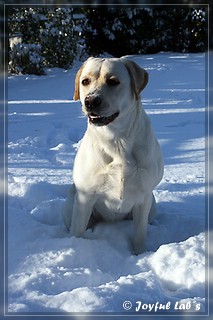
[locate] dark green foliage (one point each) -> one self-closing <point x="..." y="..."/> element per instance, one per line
<point x="121" y="31"/>
<point x="57" y="38"/>
<point x="68" y="33"/>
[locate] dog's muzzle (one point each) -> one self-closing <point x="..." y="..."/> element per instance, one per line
<point x="92" y="104"/>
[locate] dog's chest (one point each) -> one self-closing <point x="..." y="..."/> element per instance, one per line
<point x="120" y="187"/>
<point x="118" y="179"/>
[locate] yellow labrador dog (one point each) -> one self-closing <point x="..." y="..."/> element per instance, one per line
<point x="119" y="161"/>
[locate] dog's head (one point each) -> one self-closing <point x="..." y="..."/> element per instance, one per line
<point x="107" y="88"/>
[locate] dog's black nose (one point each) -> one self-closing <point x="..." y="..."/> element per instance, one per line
<point x="92" y="101"/>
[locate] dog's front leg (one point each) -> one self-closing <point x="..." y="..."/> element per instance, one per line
<point x="140" y="220"/>
<point x="82" y="210"/>
<point x="67" y="209"/>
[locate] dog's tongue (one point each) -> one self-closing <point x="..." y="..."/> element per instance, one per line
<point x="101" y="120"/>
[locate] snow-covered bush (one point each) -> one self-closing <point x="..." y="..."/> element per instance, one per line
<point x="26" y="58"/>
<point x="57" y="38"/>
<point x="51" y="28"/>
<point x="69" y="33"/>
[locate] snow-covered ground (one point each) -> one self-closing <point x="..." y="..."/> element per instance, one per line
<point x="48" y="271"/>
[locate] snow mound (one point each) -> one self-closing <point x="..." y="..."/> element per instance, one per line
<point x="47" y="212"/>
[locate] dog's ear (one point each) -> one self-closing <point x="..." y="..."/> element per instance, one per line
<point x="76" y="95"/>
<point x="139" y="76"/>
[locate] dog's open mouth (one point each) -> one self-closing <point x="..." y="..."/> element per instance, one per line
<point x="98" y="120"/>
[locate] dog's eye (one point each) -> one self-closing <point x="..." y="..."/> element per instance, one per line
<point x="86" y="82"/>
<point x="113" y="81"/>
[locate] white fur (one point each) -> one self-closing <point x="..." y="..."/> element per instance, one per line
<point x="117" y="165"/>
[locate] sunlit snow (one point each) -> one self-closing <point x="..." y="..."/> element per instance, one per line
<point x="48" y="271"/>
